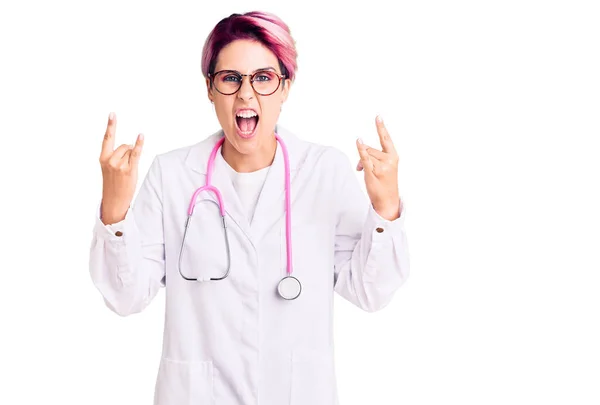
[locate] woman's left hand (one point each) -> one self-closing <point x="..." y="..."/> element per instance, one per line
<point x="381" y="173"/>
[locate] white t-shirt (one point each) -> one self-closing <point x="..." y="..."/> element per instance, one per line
<point x="248" y="187"/>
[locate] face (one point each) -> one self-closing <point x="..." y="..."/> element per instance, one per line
<point x="246" y="57"/>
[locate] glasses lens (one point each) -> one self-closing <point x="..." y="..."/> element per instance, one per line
<point x="265" y="82"/>
<point x="227" y="82"/>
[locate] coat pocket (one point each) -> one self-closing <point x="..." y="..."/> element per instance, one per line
<point x="185" y="383"/>
<point x="313" y="378"/>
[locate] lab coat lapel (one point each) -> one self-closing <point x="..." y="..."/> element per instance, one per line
<point x="233" y="205"/>
<point x="270" y="207"/>
<point x="271" y="201"/>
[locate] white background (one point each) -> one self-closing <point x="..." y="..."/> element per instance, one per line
<point x="493" y="107"/>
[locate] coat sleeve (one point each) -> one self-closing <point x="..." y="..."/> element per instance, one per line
<point x="371" y="253"/>
<point x="127" y="259"/>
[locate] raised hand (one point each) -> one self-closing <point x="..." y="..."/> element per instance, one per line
<point x="119" y="173"/>
<point x="381" y="173"/>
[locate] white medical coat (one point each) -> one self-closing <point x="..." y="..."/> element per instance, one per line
<point x="235" y="341"/>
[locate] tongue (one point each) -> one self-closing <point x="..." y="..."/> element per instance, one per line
<point x="247" y="124"/>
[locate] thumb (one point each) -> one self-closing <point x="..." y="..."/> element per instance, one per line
<point x="134" y="157"/>
<point x="365" y="159"/>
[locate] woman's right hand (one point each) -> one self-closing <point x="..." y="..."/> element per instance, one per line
<point x="119" y="174"/>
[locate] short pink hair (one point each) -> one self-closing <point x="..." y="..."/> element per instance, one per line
<point x="263" y="27"/>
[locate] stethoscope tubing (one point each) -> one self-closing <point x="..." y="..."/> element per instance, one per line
<point x="209" y="187"/>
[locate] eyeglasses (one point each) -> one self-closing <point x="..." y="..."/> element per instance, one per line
<point x="264" y="82"/>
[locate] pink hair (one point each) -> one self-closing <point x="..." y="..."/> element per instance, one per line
<point x="263" y="27"/>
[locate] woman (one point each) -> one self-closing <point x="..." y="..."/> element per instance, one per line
<point x="234" y="331"/>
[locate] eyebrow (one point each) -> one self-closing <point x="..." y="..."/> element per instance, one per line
<point x="257" y="70"/>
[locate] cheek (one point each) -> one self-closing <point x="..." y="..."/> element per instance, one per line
<point x="270" y="111"/>
<point x="223" y="110"/>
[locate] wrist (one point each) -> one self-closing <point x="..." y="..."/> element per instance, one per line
<point x="389" y="212"/>
<point x="109" y="215"/>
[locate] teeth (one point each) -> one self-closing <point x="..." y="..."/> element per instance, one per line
<point x="246" y="114"/>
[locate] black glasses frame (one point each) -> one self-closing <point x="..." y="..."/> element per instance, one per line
<point x="241" y="76"/>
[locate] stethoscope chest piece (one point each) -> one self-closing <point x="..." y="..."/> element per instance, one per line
<point x="289" y="288"/>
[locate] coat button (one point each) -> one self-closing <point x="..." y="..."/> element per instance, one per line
<point x="119" y="233"/>
<point x="379" y="230"/>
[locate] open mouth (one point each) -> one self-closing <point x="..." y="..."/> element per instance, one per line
<point x="246" y="122"/>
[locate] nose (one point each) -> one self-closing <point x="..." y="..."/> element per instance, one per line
<point x="246" y="92"/>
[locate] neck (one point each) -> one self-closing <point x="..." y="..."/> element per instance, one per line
<point x="245" y="163"/>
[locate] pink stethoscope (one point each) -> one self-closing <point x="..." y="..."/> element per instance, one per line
<point x="289" y="287"/>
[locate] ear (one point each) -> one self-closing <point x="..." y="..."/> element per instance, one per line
<point x="287" y="84"/>
<point x="209" y="91"/>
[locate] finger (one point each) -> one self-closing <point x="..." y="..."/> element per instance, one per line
<point x="384" y="137"/>
<point x="364" y="156"/>
<point x="118" y="154"/>
<point x="377" y="154"/>
<point x="108" y="144"/>
<point x="359" y="166"/>
<point x="136" y="152"/>
<point x="124" y="162"/>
